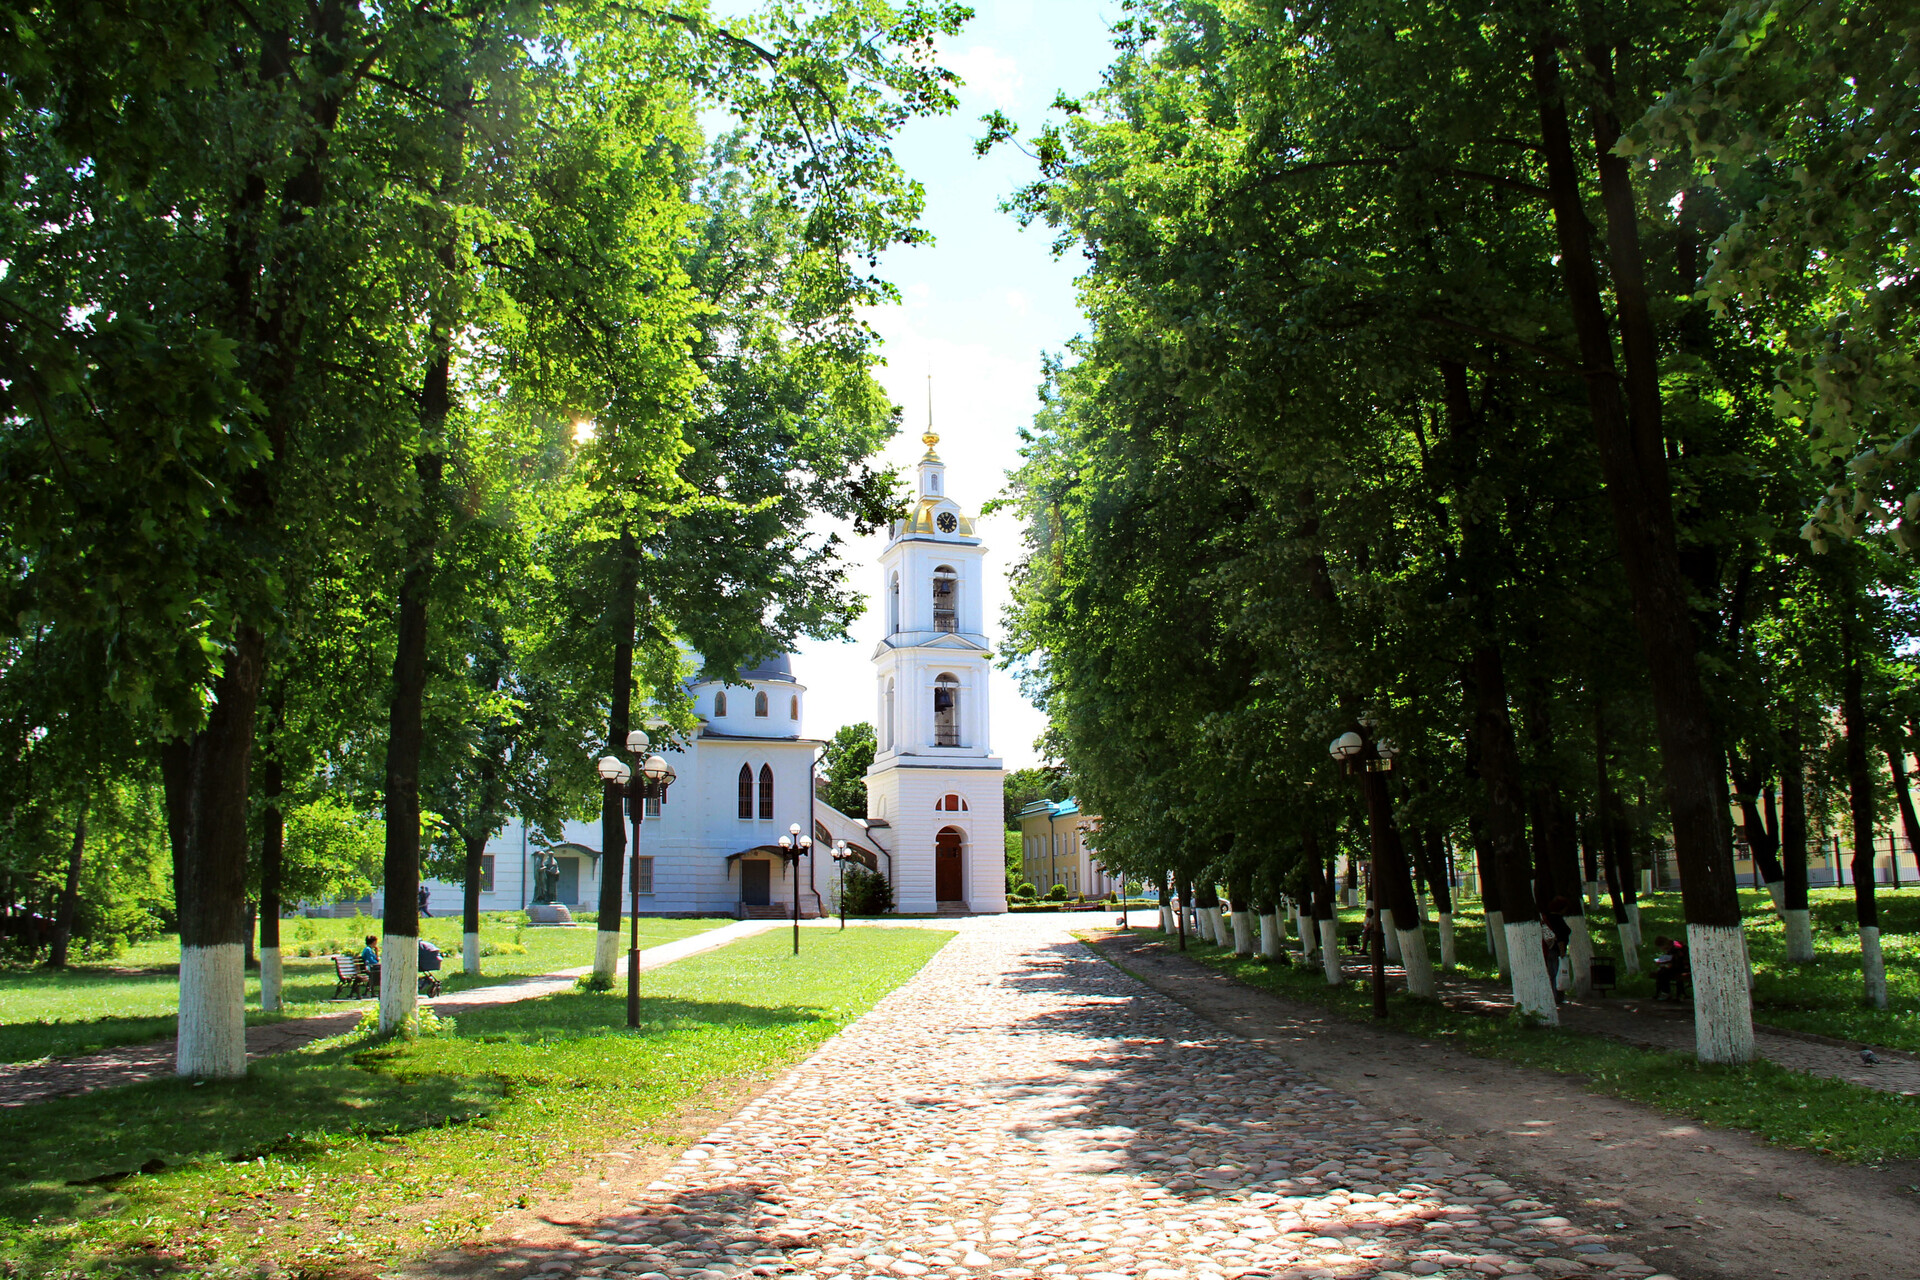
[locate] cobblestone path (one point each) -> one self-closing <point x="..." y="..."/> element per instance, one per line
<point x="1021" y="1109"/>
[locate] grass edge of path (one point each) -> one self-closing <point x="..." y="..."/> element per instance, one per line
<point x="1844" y="1122"/>
<point x="450" y="1133"/>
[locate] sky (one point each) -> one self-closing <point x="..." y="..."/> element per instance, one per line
<point x="980" y="307"/>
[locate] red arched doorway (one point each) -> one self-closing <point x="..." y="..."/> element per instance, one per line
<point x="947" y="879"/>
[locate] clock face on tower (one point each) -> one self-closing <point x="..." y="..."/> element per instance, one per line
<point x="946" y="522"/>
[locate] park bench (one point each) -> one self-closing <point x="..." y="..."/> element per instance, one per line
<point x="350" y="979"/>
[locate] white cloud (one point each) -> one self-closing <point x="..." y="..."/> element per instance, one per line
<point x="991" y="77"/>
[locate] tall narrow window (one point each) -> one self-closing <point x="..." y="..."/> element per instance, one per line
<point x="643" y="878"/>
<point x="720" y="703"/>
<point x="946" y="599"/>
<point x="760" y="703"/>
<point x="746" y="791"/>
<point x="888" y="726"/>
<point x="893" y="607"/>
<point x="946" y="711"/>
<point x="766" y="792"/>
<point x="793" y="708"/>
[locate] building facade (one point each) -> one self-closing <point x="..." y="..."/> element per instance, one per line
<point x="711" y="847"/>
<point x="1054" y="850"/>
<point x="933" y="792"/>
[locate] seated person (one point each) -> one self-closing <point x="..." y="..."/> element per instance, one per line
<point x="1669" y="967"/>
<point x="370" y="958"/>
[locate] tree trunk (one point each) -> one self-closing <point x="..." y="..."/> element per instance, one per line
<point x="1325" y="922"/>
<point x="1394" y="886"/>
<point x="1909" y="824"/>
<point x="70" y="892"/>
<point x="470" y="904"/>
<point x="1439" y="875"/>
<point x="1793" y="843"/>
<point x="1506" y="830"/>
<point x="206" y="784"/>
<point x="1632" y="449"/>
<point x="1490" y="911"/>
<point x="406" y="737"/>
<point x="613" y="834"/>
<point x="1763" y="841"/>
<point x="273" y="847"/>
<point x="1853" y="716"/>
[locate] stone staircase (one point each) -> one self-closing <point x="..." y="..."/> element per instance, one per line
<point x="771" y="911"/>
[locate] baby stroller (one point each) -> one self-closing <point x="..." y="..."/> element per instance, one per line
<point x="429" y="968"/>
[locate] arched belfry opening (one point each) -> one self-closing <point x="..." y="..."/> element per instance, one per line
<point x="946" y="710"/>
<point x="946" y="599"/>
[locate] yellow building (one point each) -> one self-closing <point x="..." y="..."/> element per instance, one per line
<point x="1053" y="850"/>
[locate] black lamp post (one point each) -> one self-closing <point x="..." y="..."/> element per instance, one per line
<point x="793" y="847"/>
<point x="842" y="855"/>
<point x="1350" y="750"/>
<point x="650" y="783"/>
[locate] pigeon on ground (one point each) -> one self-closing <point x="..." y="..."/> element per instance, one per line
<point x="1868" y="1057"/>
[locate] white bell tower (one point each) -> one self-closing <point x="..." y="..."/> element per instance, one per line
<point x="935" y="781"/>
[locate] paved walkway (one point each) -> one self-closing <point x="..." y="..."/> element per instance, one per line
<point x="1022" y="1110"/>
<point x="24" y="1083"/>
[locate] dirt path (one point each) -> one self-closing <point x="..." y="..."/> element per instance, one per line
<point x="1693" y="1201"/>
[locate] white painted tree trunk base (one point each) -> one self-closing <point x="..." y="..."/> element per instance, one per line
<point x="1242" y="926"/>
<point x="399" y="980"/>
<point x="1629" y="953"/>
<point x="1722" y="993"/>
<point x="1222" y="930"/>
<point x="1273" y="938"/>
<point x="1777" y="890"/>
<point x="1391" y="936"/>
<point x="1419" y="964"/>
<point x="1329" y="931"/>
<point x="1633" y="919"/>
<point x="606" y="952"/>
<point x="1304" y="926"/>
<point x="1593" y="896"/>
<point x="1497" y="942"/>
<point x="470" y="954"/>
<point x="272" y="999"/>
<point x="212" y="1040"/>
<point x="1353" y="897"/>
<point x="1166" y="920"/>
<point x="1799" y="922"/>
<point x="1446" y="941"/>
<point x="1532" y="989"/>
<point x="1579" y="957"/>
<point x="1873" y="966"/>
<point x="1420" y="904"/>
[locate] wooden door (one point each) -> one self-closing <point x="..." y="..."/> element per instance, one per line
<point x="947" y="880"/>
<point x="756" y="882"/>
<point x="569" y="890"/>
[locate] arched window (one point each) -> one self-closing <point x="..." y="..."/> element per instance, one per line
<point x="889" y="717"/>
<point x="950" y="803"/>
<point x="760" y="703"/>
<point x="746" y="791"/>
<point x="720" y="703"/>
<point x="766" y="792"/>
<point x="946" y="599"/>
<point x="793" y="708"/>
<point x="946" y="710"/>
<point x="893" y="607"/>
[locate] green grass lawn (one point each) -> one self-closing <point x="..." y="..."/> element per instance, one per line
<point x="1831" y="1117"/>
<point x="58" y="1013"/>
<point x="349" y="1155"/>
<point x="1825" y="997"/>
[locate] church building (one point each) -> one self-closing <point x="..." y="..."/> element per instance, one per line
<point x="745" y="778"/>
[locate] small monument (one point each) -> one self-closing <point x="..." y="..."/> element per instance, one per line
<point x="545" y="909"/>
